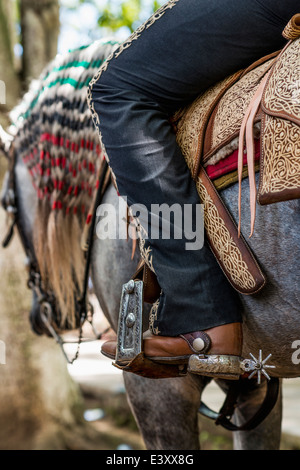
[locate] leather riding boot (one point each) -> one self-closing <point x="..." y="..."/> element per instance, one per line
<point x="220" y="340"/>
<point x="224" y="339"/>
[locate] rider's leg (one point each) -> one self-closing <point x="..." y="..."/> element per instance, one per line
<point x="186" y="47"/>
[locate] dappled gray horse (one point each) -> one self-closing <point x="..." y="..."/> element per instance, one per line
<point x="166" y="410"/>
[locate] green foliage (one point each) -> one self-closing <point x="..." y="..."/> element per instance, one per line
<point x="116" y="14"/>
<point x="125" y="14"/>
<point x="128" y="13"/>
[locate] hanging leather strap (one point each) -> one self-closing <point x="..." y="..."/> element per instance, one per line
<point x="231" y="250"/>
<point x="90" y="238"/>
<point x="151" y="287"/>
<point x="235" y="389"/>
<point x="247" y="129"/>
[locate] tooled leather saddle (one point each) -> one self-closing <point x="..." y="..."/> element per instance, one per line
<point x="262" y="106"/>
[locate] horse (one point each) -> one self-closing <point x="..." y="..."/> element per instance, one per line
<point x="49" y="119"/>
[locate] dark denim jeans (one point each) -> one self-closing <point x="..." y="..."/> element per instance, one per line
<point x="186" y="47"/>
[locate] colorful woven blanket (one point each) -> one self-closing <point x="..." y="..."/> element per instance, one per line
<point x="54" y="131"/>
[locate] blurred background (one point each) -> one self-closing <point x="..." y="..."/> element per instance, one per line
<point x="32" y="32"/>
<point x="44" y="402"/>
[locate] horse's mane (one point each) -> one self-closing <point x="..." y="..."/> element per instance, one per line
<point x="56" y="138"/>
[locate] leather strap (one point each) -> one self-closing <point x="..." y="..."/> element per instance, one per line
<point x="198" y="347"/>
<point x="226" y="244"/>
<point x="247" y="128"/>
<point x="227" y="410"/>
<point x="144" y="367"/>
<point x="90" y="238"/>
<point x="151" y="287"/>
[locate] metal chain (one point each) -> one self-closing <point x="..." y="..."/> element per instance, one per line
<point x="34" y="283"/>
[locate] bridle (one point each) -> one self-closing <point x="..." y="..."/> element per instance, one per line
<point x="46" y="299"/>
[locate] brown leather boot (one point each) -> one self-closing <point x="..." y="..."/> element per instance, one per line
<point x="220" y="340"/>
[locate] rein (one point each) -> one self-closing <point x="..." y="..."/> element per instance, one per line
<point x="46" y="299"/>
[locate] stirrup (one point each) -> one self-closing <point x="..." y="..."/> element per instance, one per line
<point x="129" y="337"/>
<point x="129" y="354"/>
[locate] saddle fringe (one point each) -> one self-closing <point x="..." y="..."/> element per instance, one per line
<point x="247" y="130"/>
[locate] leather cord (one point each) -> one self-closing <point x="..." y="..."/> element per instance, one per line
<point x="99" y="197"/>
